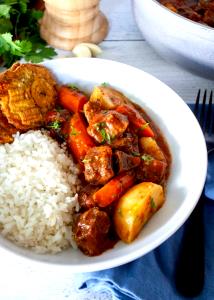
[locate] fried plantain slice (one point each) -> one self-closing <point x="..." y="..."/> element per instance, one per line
<point x="6" y="130"/>
<point x="27" y="93"/>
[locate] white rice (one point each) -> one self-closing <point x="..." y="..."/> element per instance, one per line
<point x="38" y="193"/>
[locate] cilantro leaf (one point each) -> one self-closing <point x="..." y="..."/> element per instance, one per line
<point x="147" y="158"/>
<point x="152" y="203"/>
<point x="86" y="160"/>
<point x="144" y="126"/>
<point x="23" y="6"/>
<point x="134" y="153"/>
<point x="74" y="132"/>
<point x="24" y="46"/>
<point x="101" y="128"/>
<point x="5" y="11"/>
<point x="54" y="125"/>
<point x="5" y="25"/>
<point x="105" y="84"/>
<point x="40" y="53"/>
<point x="19" y="33"/>
<point x="15" y="47"/>
<point x="72" y="86"/>
<point x="36" y="14"/>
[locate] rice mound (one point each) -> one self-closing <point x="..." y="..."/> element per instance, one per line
<point x="38" y="194"/>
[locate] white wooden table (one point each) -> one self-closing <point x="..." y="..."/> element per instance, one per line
<point x="124" y="43"/>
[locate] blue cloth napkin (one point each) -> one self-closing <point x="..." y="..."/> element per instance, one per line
<point x="209" y="186"/>
<point x="152" y="276"/>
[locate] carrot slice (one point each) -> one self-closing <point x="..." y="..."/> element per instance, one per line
<point x="136" y="120"/>
<point x="114" y="189"/>
<point x="72" y="99"/>
<point x="79" y="141"/>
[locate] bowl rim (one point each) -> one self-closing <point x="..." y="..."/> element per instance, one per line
<point x="179" y="218"/>
<point x="202" y="26"/>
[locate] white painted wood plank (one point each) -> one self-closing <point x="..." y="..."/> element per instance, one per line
<point x="121" y="20"/>
<point x="139" y="54"/>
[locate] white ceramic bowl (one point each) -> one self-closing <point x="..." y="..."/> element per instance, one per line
<point x="186" y="180"/>
<point x="177" y="39"/>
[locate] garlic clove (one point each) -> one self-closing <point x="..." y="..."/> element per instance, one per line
<point x="82" y="51"/>
<point x="95" y="50"/>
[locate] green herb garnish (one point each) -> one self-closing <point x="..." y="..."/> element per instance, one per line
<point x="74" y="132"/>
<point x="144" y="126"/>
<point x="104" y="84"/>
<point x="86" y="160"/>
<point x="73" y="87"/>
<point x="103" y="133"/>
<point x="147" y="158"/>
<point x="100" y="125"/>
<point x="19" y="33"/>
<point x="152" y="202"/>
<point x="54" y="125"/>
<point x="5" y="11"/>
<point x="106" y="137"/>
<point x="135" y="153"/>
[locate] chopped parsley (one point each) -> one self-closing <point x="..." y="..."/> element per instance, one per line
<point x="134" y="153"/>
<point x="104" y="84"/>
<point x="86" y="160"/>
<point x="106" y="137"/>
<point x="100" y="125"/>
<point x="74" y="132"/>
<point x="147" y="158"/>
<point x="144" y="126"/>
<point x="152" y="202"/>
<point x="54" y="125"/>
<point x="73" y="87"/>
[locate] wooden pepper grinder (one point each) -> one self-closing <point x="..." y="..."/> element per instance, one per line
<point x="67" y="23"/>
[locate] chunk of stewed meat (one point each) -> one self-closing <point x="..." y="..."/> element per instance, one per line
<point x="98" y="165"/>
<point x="151" y="169"/>
<point x="91" y="231"/>
<point x="107" y="125"/>
<point x="85" y="197"/>
<point x="127" y="143"/>
<point x="125" y="162"/>
<point x="91" y="109"/>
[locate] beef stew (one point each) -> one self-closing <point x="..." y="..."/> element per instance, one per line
<point x="121" y="154"/>
<point x="201" y="11"/>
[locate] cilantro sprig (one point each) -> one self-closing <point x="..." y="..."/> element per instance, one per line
<point x="74" y="132"/>
<point x="19" y="33"/>
<point x="54" y="125"/>
<point x="106" y="137"/>
<point x="152" y="203"/>
<point x="147" y="158"/>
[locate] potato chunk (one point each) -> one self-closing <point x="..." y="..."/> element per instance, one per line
<point x="107" y="97"/>
<point x="150" y="146"/>
<point x="135" y="208"/>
